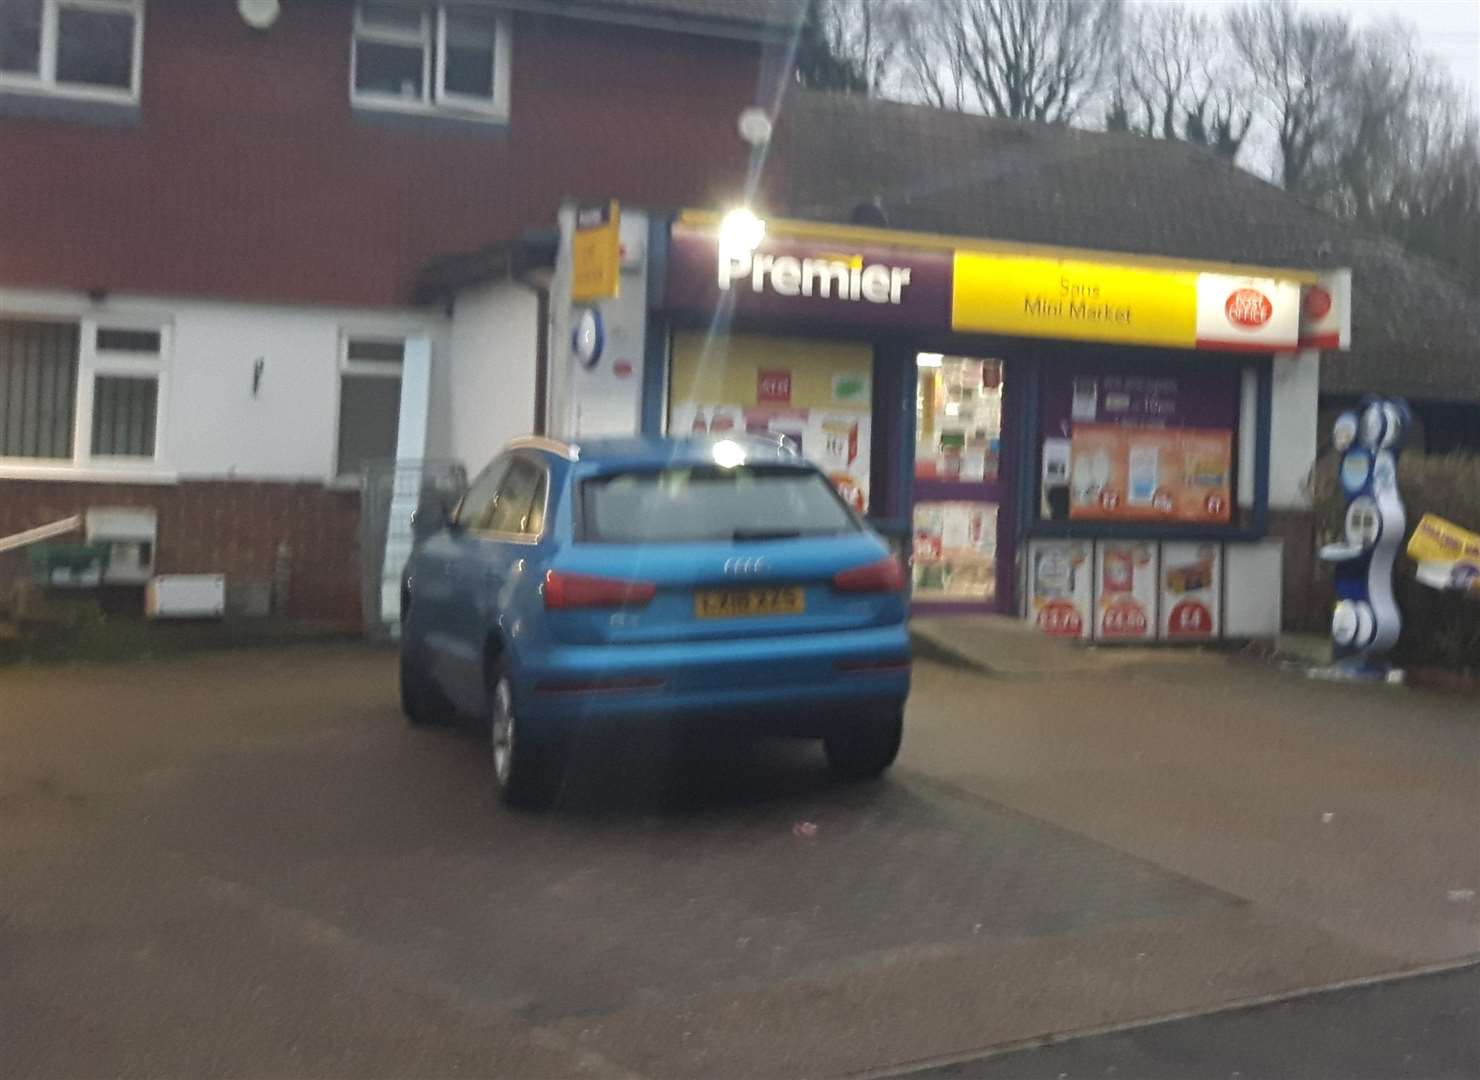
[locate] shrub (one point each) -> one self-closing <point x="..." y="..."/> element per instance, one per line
<point x="1438" y="628"/>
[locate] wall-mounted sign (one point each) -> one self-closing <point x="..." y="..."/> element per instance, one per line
<point x="814" y="280"/>
<point x="1059" y="587"/>
<point x="588" y="337"/>
<point x="1191" y="579"/>
<point x="875" y="278"/>
<point x="772" y="387"/>
<point x="1126" y="586"/>
<point x="1326" y="312"/>
<point x="596" y="253"/>
<point x="1093" y="301"/>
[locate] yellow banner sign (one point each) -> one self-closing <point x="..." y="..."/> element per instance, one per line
<point x="596" y="254"/>
<point x="1448" y="557"/>
<point x="1063" y="298"/>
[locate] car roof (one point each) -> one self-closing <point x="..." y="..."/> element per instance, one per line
<point x="656" y="451"/>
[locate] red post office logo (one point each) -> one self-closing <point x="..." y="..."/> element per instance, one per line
<point x="1317" y="303"/>
<point x="1248" y="308"/>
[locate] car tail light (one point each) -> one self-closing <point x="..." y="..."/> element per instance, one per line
<point x="886" y="575"/>
<point x="563" y="590"/>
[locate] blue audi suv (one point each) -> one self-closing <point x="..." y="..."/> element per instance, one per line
<point x="722" y="582"/>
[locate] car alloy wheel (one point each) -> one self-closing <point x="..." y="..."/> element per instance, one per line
<point x="504" y="732"/>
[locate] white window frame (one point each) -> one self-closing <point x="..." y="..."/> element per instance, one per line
<point x="432" y="39"/>
<point x="45" y="79"/>
<point x="95" y="362"/>
<point x="91" y="363"/>
<point x="376" y="369"/>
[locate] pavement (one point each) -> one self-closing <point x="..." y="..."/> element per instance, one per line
<point x="1009" y="646"/>
<point x="1410" y="1029"/>
<point x="245" y="863"/>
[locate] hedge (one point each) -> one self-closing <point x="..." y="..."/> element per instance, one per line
<point x="1439" y="628"/>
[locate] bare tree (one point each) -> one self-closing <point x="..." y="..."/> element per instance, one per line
<point x="1024" y="59"/>
<point x="1169" y="58"/>
<point x="932" y="56"/>
<point x="1297" y="62"/>
<point x="863" y="36"/>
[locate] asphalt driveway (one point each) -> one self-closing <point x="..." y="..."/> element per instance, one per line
<point x="246" y="863"/>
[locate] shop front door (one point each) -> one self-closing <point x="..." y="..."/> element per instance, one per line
<point x="960" y="484"/>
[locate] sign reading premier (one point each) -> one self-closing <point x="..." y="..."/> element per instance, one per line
<point x="798" y="279"/>
<point x="845" y="277"/>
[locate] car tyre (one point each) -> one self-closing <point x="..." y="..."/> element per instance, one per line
<point x="527" y="771"/>
<point x="863" y="750"/>
<point x="421" y="701"/>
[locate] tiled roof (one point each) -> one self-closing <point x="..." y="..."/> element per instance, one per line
<point x="1415" y="328"/>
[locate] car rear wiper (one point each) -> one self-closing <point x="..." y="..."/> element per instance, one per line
<point x="766" y="534"/>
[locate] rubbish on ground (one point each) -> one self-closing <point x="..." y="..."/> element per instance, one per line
<point x="1461" y="896"/>
<point x="807" y="830"/>
<point x="1327" y="818"/>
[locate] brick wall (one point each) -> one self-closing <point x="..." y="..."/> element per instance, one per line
<point x="227" y="526"/>
<point x="1308" y="597"/>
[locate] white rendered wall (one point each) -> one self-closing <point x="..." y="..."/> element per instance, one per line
<point x="493" y="360"/>
<point x="1293" y="438"/>
<point x="211" y="423"/>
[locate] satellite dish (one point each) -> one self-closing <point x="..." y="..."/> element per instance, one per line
<point x="259" y="14"/>
<point x="755" y="126"/>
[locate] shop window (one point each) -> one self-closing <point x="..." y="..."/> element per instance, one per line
<point x="1139" y="445"/>
<point x="369" y="402"/>
<point x="958" y="418"/>
<point x="955" y="553"/>
<point x="817" y="395"/>
<point x="431" y="57"/>
<point x="85" y="48"/>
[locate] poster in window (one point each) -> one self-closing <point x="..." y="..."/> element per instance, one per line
<point x="1126" y="587"/>
<point x="816" y="395"/>
<point x="1191" y="585"/>
<point x="1139" y="446"/>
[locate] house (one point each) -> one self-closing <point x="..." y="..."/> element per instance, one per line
<point x="214" y="220"/>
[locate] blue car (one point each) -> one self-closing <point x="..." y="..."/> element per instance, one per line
<point x="722" y="582"/>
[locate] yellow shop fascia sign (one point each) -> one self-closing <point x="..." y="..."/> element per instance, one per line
<point x="1042" y="296"/>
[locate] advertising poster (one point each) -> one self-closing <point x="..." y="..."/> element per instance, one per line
<point x="1059" y="594"/>
<point x="1168" y="474"/>
<point x="1191" y="579"/>
<point x="816" y="394"/>
<point x="1138" y="446"/>
<point x="955" y="552"/>
<point x="1126" y="587"/>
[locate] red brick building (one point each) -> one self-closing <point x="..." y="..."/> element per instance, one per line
<point x="212" y="231"/>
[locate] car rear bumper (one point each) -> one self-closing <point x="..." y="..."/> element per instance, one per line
<point x="798" y="683"/>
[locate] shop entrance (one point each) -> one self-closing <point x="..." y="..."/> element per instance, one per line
<point x="960" y="489"/>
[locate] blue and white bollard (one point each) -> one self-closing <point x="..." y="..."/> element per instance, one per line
<point x="1366" y="620"/>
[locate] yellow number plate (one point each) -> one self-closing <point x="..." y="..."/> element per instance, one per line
<point x="749" y="603"/>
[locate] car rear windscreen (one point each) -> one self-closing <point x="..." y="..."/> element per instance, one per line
<point x="706" y="503"/>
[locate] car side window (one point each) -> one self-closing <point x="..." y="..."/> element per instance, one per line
<point x="477" y="503"/>
<point x="519" y="506"/>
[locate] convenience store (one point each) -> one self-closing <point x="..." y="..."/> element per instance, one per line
<point x="1083" y="438"/>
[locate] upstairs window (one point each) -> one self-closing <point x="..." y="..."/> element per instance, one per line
<point x="431" y="57"/>
<point x="82" y="48"/>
